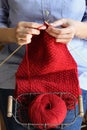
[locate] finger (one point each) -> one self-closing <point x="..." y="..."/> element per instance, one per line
<point x="27" y="31"/>
<point x="59" y="22"/>
<point x="53" y="32"/>
<point x="23" y="36"/>
<point x="65" y="36"/>
<point x="23" y="42"/>
<point x="20" y="35"/>
<point x="57" y="31"/>
<point x="32" y="25"/>
<point x="33" y="31"/>
<point x="21" y="31"/>
<point x="67" y="30"/>
<point x="64" y="41"/>
<point x="28" y="38"/>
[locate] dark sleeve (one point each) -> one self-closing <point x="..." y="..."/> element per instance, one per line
<point x="85" y="14"/>
<point x="4" y="13"/>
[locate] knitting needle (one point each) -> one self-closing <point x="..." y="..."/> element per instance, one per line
<point x="10" y="56"/>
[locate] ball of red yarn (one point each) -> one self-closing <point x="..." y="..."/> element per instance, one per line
<point x="47" y="109"/>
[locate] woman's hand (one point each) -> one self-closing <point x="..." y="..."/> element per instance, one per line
<point x="62" y="30"/>
<point x="25" y="31"/>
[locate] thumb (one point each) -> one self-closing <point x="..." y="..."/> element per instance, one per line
<point x="59" y="23"/>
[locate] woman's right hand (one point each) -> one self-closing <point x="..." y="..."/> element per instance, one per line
<point x="25" y="31"/>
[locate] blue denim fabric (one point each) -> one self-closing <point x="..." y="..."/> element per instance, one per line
<point x="12" y="125"/>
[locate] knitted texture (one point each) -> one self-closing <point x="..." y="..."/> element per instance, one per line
<point x="47" y="67"/>
<point x="49" y="105"/>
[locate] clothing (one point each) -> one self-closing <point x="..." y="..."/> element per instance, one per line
<point x="13" y="11"/>
<point x="43" y="10"/>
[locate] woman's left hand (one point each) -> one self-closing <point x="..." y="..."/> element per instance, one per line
<point x="64" y="34"/>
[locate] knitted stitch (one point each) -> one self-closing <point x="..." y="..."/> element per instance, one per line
<point x="47" y="67"/>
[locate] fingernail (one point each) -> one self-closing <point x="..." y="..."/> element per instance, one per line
<point x="51" y="24"/>
<point x="42" y="27"/>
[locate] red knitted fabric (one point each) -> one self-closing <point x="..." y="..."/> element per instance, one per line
<point x="47" y="67"/>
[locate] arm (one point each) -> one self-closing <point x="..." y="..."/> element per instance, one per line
<point x="7" y="35"/>
<point x="83" y="25"/>
<point x="81" y="30"/>
<point x="70" y="29"/>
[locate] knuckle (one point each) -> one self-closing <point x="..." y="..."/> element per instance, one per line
<point x="72" y="35"/>
<point x="31" y="24"/>
<point x="60" y="31"/>
<point x="17" y="30"/>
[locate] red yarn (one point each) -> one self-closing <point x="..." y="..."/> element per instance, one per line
<point x="47" y="109"/>
<point x="47" y="67"/>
